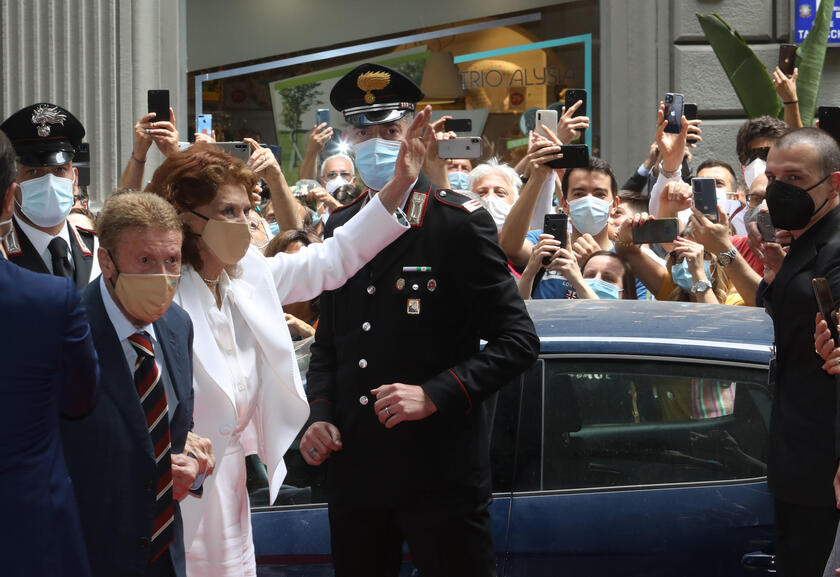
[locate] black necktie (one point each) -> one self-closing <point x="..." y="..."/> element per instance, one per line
<point x="60" y="262"/>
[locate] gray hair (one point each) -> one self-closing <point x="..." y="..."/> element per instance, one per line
<point x="338" y="155"/>
<point x="494" y="166"/>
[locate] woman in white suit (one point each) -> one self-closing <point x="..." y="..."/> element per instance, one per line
<point x="248" y="392"/>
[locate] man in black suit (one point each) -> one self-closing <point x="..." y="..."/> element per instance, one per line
<point x="397" y="378"/>
<point x="46" y="137"/>
<point x="803" y="169"/>
<point x="127" y="458"/>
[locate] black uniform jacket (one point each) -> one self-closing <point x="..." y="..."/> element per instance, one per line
<point x="21" y="252"/>
<point x="803" y="434"/>
<point x="395" y="322"/>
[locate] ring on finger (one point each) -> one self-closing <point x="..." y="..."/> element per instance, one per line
<point x="388" y="411"/>
<point x="147" y="131"/>
<point x="313" y="452"/>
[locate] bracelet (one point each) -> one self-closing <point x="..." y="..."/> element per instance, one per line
<point x="137" y="160"/>
<point x="623" y="243"/>
<point x="791" y="102"/>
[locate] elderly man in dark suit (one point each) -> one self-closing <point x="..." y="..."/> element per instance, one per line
<point x="47" y="366"/>
<point x="803" y="170"/>
<point x="398" y="378"/>
<point x="128" y="458"/>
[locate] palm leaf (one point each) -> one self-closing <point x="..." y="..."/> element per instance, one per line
<point x="745" y="71"/>
<point x="811" y="55"/>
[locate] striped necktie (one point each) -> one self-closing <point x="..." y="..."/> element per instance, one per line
<point x="153" y="399"/>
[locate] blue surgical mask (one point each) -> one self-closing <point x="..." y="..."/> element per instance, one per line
<point x="459" y="181"/>
<point x="682" y="276"/>
<point x="603" y="289"/>
<point x="589" y="214"/>
<point x="274" y="228"/>
<point x="46" y="200"/>
<point x="376" y="159"/>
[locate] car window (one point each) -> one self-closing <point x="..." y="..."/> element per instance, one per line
<point x="644" y="422"/>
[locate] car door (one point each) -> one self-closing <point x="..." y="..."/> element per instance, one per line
<point x="638" y="465"/>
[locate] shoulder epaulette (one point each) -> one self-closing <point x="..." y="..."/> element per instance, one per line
<point x="457" y="200"/>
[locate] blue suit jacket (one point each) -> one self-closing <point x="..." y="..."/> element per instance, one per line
<point x="110" y="454"/>
<point x="47" y="365"/>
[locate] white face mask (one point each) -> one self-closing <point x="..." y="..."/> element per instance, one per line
<point x="498" y="208"/>
<point x="752" y="170"/>
<point x="335" y="184"/>
<point x="589" y="214"/>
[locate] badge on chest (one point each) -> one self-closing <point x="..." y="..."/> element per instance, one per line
<point x="416" y="283"/>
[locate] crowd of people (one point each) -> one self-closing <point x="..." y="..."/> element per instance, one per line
<point x="174" y="320"/>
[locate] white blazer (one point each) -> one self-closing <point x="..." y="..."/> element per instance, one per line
<point x="262" y="285"/>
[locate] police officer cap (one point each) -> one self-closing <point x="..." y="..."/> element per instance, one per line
<point x="44" y="134"/>
<point x="374" y="94"/>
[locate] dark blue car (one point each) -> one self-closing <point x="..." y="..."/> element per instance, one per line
<point x="635" y="446"/>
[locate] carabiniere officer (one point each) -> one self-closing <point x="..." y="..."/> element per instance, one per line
<point x="397" y="380"/>
<point x="46" y="137"/>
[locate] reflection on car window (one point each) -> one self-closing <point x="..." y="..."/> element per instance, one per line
<point x="646" y="422"/>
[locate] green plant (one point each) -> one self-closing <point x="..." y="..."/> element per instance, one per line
<point x="749" y="77"/>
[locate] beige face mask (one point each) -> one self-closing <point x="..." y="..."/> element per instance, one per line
<point x="146" y="296"/>
<point x="229" y="241"/>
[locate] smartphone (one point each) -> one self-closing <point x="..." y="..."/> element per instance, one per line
<point x="557" y="225"/>
<point x="829" y="117"/>
<point x="204" y="124"/>
<point x="705" y="197"/>
<point x="673" y="112"/>
<point x="690" y="113"/>
<point x="461" y="147"/>
<point x="574" y="156"/>
<point x="322" y="115"/>
<point x="81" y="161"/>
<point x="240" y="150"/>
<point x="458" y="125"/>
<point x="547" y="117"/>
<point x="825" y="302"/>
<point x="573" y="95"/>
<point x="787" y="58"/>
<point x="159" y="104"/>
<point x="765" y="226"/>
<point x="657" y="231"/>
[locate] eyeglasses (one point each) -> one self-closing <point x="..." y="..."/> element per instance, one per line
<point x="755" y="198"/>
<point x="344" y="174"/>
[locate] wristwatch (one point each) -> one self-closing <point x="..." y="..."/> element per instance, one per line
<point x="725" y="258"/>
<point x="701" y="286"/>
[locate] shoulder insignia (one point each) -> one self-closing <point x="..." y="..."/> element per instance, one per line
<point x="86" y="250"/>
<point x="12" y="244"/>
<point x="456" y="199"/>
<point x="357" y="199"/>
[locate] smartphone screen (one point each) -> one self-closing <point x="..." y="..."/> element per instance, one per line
<point x="574" y="156"/>
<point x="825" y="302"/>
<point x="557" y="225"/>
<point x="659" y="230"/>
<point x="159" y="104"/>
<point x="829" y="117"/>
<point x="705" y="197"/>
<point x="765" y="226"/>
<point x="548" y="118"/>
<point x="458" y="125"/>
<point x="673" y="112"/>
<point x="787" y="58"/>
<point x="322" y="115"/>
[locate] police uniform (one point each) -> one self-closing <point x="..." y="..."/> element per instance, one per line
<point x="45" y="134"/>
<point x="415" y="314"/>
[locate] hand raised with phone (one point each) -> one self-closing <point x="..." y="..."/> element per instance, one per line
<point x="162" y="132"/>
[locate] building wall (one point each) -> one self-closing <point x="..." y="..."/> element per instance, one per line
<point x="96" y="58"/>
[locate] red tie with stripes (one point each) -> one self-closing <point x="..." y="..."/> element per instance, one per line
<point x="153" y="399"/>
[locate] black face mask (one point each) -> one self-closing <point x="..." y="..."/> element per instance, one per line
<point x="791" y="207"/>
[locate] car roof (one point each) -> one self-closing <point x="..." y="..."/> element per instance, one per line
<point x="684" y="329"/>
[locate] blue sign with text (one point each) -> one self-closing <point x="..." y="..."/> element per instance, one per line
<point x="803" y="19"/>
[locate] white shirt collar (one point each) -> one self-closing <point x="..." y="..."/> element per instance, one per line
<point x="39" y="239"/>
<point x="123" y="327"/>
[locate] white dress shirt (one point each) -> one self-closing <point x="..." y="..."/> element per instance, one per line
<point x="41" y="241"/>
